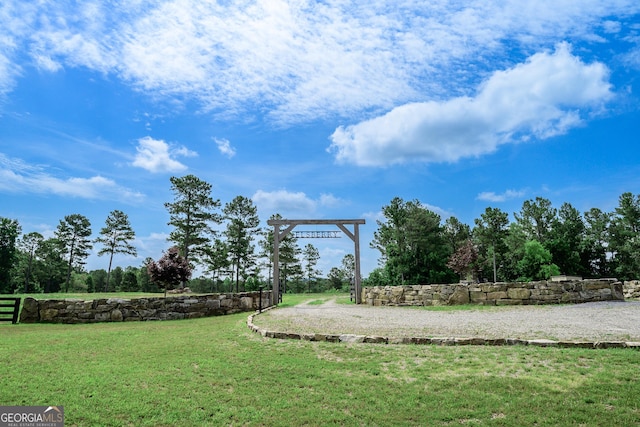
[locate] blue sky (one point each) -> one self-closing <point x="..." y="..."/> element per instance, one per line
<point x="314" y="109"/>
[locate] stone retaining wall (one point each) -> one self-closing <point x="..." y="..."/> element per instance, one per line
<point x="444" y="341"/>
<point x="544" y="292"/>
<point x="631" y="289"/>
<point x="139" y="309"/>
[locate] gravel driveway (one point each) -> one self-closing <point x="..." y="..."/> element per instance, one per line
<point x="598" y="321"/>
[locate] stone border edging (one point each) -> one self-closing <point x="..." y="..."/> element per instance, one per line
<point x="445" y="341"/>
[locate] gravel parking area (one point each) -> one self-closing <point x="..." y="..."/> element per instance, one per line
<point x="598" y="321"/>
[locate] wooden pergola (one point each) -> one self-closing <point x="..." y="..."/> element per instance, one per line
<point x="290" y="224"/>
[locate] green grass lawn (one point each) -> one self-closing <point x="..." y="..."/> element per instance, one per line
<point x="214" y="371"/>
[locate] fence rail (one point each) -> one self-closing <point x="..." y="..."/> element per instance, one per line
<point x="9" y="309"/>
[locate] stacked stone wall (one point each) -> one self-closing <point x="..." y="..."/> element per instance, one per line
<point x="140" y="309"/>
<point x="631" y="289"/>
<point x="544" y="292"/>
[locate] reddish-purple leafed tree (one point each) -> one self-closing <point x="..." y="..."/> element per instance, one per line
<point x="170" y="271"/>
<point x="463" y="261"/>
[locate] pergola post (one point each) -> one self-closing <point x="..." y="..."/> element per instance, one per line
<point x="275" y="292"/>
<point x="358" y="279"/>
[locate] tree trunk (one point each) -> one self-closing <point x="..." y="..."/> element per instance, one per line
<point x="106" y="285"/>
<point x="495" y="273"/>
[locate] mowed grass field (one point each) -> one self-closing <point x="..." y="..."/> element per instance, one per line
<point x="216" y="372"/>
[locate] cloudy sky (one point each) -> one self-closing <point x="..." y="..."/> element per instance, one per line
<point x="324" y="109"/>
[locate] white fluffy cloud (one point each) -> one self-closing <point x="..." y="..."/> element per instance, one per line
<point x="283" y="201"/>
<point x="490" y="196"/>
<point x="543" y="97"/>
<point x="294" y="61"/>
<point x="224" y="146"/>
<point x="155" y="155"/>
<point x="18" y="177"/>
<point x="287" y="202"/>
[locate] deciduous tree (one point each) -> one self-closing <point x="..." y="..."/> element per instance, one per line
<point x="170" y="271"/>
<point x="464" y="260"/>
<point x="536" y="264"/>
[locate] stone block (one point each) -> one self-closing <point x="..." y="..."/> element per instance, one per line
<point x="476" y="296"/>
<point x="103" y="308"/>
<point x="102" y="316"/>
<point x="497" y="295"/>
<point x="493" y="287"/>
<point x="617" y="292"/>
<point x="610" y="344"/>
<point x="116" y="315"/>
<point x="594" y="285"/>
<point x="575" y="344"/>
<point x="48" y="314"/>
<point x="212" y="304"/>
<point x="543" y="343"/>
<point x="375" y="340"/>
<point x="172" y="315"/>
<point x="518" y="293"/>
<point x="351" y="338"/>
<point x="570" y="297"/>
<point x="86" y="315"/>
<point x="29" y="312"/>
<point x="459" y="296"/>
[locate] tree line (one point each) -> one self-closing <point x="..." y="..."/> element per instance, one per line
<point x="416" y="247"/>
<point x="220" y="240"/>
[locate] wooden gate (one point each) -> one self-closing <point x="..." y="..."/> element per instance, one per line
<point x="9" y="309"/>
